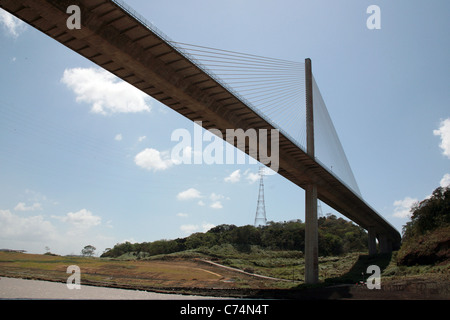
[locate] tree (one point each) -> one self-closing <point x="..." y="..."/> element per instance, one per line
<point x="427" y="236"/>
<point x="199" y="239"/>
<point x="429" y="214"/>
<point x="88" y="251"/>
<point x="47" y="251"/>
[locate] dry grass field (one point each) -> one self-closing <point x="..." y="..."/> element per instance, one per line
<point x="173" y="274"/>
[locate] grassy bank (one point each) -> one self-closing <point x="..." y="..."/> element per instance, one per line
<point x="289" y="265"/>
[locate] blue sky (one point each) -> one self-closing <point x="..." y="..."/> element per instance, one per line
<point x="80" y="167"/>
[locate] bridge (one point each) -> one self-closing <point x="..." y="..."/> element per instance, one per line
<point x="116" y="38"/>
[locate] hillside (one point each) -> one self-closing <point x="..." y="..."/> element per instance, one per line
<point x="337" y="236"/>
<point x="426" y="238"/>
<point x="430" y="248"/>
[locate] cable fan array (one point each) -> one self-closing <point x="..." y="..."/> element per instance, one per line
<point x="328" y="148"/>
<point x="275" y="88"/>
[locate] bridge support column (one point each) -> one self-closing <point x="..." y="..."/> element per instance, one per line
<point x="311" y="236"/>
<point x="385" y="244"/>
<point x="372" y="241"/>
<point x="311" y="228"/>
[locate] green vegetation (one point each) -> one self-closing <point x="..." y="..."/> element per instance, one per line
<point x="336" y="237"/>
<point x="428" y="215"/>
<point x="282" y="264"/>
<point x="88" y="251"/>
<point x="426" y="238"/>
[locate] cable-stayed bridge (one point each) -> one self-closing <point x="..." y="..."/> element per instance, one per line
<point x="224" y="90"/>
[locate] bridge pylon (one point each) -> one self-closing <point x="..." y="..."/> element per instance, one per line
<point x="311" y="227"/>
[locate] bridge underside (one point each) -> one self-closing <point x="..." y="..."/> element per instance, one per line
<point x="116" y="41"/>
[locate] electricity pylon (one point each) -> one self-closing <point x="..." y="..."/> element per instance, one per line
<point x="260" y="217"/>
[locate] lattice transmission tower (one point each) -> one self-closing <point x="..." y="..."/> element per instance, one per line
<point x="260" y="217"/>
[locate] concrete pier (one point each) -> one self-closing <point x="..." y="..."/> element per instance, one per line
<point x="372" y="241"/>
<point x="311" y="228"/>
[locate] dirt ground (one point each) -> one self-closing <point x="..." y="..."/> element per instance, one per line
<point x="198" y="277"/>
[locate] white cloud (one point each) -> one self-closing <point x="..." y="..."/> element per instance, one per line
<point x="13" y="25"/>
<point x="189" y="228"/>
<point x="109" y="224"/>
<point x="34" y="233"/>
<point x="35" y="196"/>
<point x="216" y="200"/>
<point x="403" y="207"/>
<point x="234" y="177"/>
<point x="83" y="219"/>
<point x="152" y="159"/>
<point x="182" y="215"/>
<point x="118" y="137"/>
<point x="21" y="206"/>
<point x="185" y="154"/>
<point x="215" y="197"/>
<point x="216" y="205"/>
<point x="104" y="91"/>
<point x="445" y="181"/>
<point x="192" y="228"/>
<point x="189" y="194"/>
<point x="207" y="226"/>
<point x="444" y="133"/>
<point x="15" y="227"/>
<point x="142" y="138"/>
<point x="193" y="193"/>
<point x="252" y="177"/>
